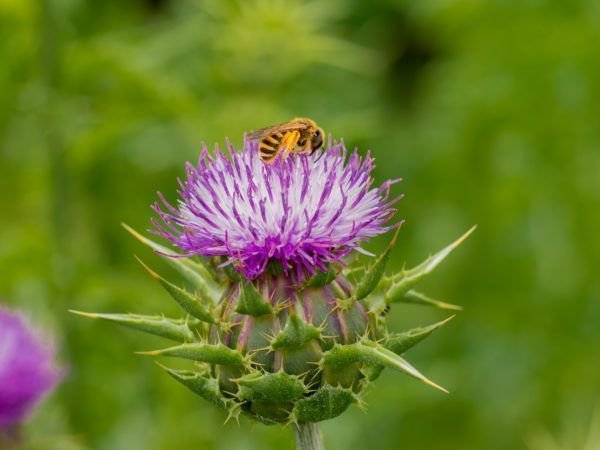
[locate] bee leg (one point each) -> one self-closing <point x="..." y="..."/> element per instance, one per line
<point x="320" y="156"/>
<point x="308" y="147"/>
<point x="289" y="142"/>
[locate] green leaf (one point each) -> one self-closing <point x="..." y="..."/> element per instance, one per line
<point x="371" y="353"/>
<point x="190" y="303"/>
<point x="270" y="387"/>
<point x="406" y="279"/>
<point x="251" y="302"/>
<point x="208" y="353"/>
<point x="176" y="330"/>
<point x="197" y="274"/>
<point x="401" y="342"/>
<point x="374" y="273"/>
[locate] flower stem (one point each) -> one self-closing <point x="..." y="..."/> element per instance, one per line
<point x="308" y="437"/>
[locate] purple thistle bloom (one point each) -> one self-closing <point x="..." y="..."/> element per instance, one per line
<point x="303" y="211"/>
<point x="27" y="370"/>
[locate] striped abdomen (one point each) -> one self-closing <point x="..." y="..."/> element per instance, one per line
<point x="270" y="146"/>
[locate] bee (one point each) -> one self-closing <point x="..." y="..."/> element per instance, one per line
<point x="299" y="135"/>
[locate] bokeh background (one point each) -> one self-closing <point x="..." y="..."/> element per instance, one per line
<point x="489" y="110"/>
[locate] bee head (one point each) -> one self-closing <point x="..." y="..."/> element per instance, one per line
<point x="316" y="142"/>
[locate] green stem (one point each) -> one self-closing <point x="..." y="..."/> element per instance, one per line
<point x="308" y="437"/>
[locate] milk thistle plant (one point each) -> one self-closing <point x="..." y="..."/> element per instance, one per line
<point x="278" y="325"/>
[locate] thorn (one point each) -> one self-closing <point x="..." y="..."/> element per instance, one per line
<point x="152" y="273"/>
<point x="324" y="336"/>
<point x="292" y="419"/>
<point x="161" y="366"/>
<point x="148" y="353"/>
<point x="84" y="314"/>
<point x="360" y="403"/>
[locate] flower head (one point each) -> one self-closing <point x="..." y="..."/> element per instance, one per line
<point x="268" y="347"/>
<point x="302" y="211"/>
<point x="27" y="370"/>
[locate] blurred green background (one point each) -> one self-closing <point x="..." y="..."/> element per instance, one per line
<point x="489" y="110"/>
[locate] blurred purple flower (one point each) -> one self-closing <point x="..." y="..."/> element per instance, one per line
<point x="27" y="369"/>
<point x="303" y="211"/>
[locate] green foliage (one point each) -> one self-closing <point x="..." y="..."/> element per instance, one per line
<point x="486" y="109"/>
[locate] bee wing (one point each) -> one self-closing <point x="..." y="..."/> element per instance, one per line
<point x="287" y="126"/>
<point x="262" y="132"/>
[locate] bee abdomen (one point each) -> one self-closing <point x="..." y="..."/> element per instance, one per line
<point x="269" y="146"/>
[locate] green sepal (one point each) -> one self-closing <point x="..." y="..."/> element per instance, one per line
<point x="197" y="274"/>
<point x="205" y="386"/>
<point x="270" y="387"/>
<point x="295" y="334"/>
<point x="401" y="342"/>
<point x="188" y="302"/>
<point x="174" y="329"/>
<point x="419" y="298"/>
<point x="372" y="276"/>
<point x="251" y="302"/>
<point x="208" y="353"/>
<point x="322" y="277"/>
<point x="326" y="403"/>
<point x="402" y="282"/>
<point x="371" y="353"/>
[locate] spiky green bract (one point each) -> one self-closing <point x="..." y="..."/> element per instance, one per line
<point x="374" y="273"/>
<point x="419" y="298"/>
<point x="322" y="277"/>
<point x="251" y="302"/>
<point x="208" y="353"/>
<point x="296" y="334"/>
<point x="270" y="387"/>
<point x="326" y="403"/>
<point x="371" y="354"/>
<point x="205" y="386"/>
<point x="195" y="273"/>
<point x="401" y="342"/>
<point x="189" y="303"/>
<point x="402" y="282"/>
<point x="281" y="350"/>
<point x="173" y="329"/>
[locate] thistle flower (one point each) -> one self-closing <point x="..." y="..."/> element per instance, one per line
<point x="278" y="326"/>
<point x="298" y="212"/>
<point x="27" y="369"/>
